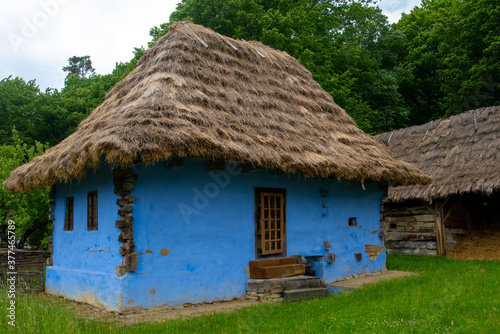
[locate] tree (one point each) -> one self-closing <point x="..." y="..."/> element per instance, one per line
<point x="79" y="66"/>
<point x="452" y="57"/>
<point x="36" y="116"/>
<point x="28" y="210"/>
<point x="50" y="116"/>
<point x="17" y="104"/>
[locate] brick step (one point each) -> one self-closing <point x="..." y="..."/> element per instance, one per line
<point x="301" y="294"/>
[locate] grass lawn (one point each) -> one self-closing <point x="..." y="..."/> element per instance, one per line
<point x="448" y="296"/>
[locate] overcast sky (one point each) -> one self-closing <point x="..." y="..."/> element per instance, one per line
<point x="38" y="36"/>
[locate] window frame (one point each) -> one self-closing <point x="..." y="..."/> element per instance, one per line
<point x="92" y="211"/>
<point x="69" y="213"/>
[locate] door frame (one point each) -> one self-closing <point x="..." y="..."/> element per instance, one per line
<point x="257" y="192"/>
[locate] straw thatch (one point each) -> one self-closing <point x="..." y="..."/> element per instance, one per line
<point x="461" y="154"/>
<point x="253" y="104"/>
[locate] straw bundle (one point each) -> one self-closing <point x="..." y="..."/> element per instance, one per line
<point x="233" y="100"/>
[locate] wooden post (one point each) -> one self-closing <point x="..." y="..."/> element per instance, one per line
<point x="440" y="217"/>
<point x="440" y="229"/>
<point x="469" y="224"/>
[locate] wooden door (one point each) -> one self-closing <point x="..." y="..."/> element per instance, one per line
<point x="272" y="223"/>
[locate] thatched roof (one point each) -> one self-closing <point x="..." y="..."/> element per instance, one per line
<point x="233" y="100"/>
<point x="461" y="154"/>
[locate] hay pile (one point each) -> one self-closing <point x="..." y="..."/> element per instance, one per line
<point x="480" y="245"/>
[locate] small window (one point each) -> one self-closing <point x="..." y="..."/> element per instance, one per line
<point x="92" y="210"/>
<point x="353" y="221"/>
<point x="68" y="216"/>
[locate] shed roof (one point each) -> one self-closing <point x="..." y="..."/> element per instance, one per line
<point x="461" y="154"/>
<point x="196" y="93"/>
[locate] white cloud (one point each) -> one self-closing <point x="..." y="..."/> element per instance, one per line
<point x="393" y="8"/>
<point x="38" y="36"/>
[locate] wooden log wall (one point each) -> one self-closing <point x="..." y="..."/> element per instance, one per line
<point x="410" y="228"/>
<point x="30" y="265"/>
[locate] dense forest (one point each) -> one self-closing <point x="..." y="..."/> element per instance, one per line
<point x="441" y="59"/>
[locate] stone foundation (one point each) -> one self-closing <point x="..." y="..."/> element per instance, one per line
<point x="265" y="297"/>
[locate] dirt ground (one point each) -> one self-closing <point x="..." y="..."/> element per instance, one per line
<point x="137" y="315"/>
<point x="156" y="314"/>
<point x="185" y="311"/>
<point x="359" y="281"/>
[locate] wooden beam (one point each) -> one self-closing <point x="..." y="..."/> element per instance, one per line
<point x="437" y="211"/>
<point x="217" y="165"/>
<point x="174" y="162"/>
<point x="278" y="271"/>
<point x="440" y="234"/>
<point x="440" y="229"/>
<point x="430" y="208"/>
<point x="469" y="221"/>
<point x="447" y="213"/>
<point x="247" y="167"/>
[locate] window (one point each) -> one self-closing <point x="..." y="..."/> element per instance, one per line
<point x="270" y="221"/>
<point x="92" y="210"/>
<point x="68" y="216"/>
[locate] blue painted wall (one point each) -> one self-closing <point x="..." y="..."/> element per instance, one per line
<point x="84" y="261"/>
<point x="194" y="232"/>
<point x="204" y="224"/>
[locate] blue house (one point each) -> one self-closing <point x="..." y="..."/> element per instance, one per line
<point x="212" y="153"/>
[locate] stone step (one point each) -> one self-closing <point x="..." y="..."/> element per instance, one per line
<point x="303" y="282"/>
<point x="278" y="285"/>
<point x="301" y="294"/>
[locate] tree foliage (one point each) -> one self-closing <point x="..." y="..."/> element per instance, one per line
<point x="452" y="57"/>
<point x="50" y="116"/>
<point x="28" y="210"/>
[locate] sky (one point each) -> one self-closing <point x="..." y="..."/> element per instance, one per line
<point x="38" y="36"/>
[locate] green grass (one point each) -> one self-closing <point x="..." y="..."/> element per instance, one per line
<point x="446" y="297"/>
